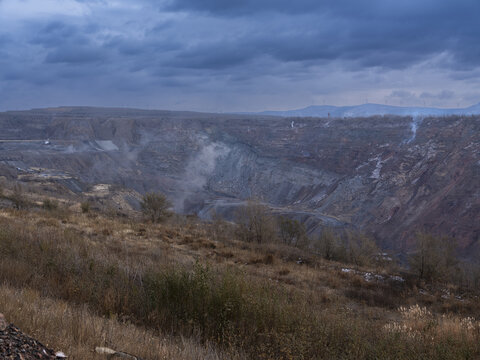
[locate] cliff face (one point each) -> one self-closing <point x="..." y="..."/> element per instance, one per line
<point x="389" y="176"/>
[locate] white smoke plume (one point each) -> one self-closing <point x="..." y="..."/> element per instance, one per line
<point x="198" y="170"/>
<point x="416" y="121"/>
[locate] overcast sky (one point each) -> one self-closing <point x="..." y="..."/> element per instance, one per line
<point x="238" y="55"/>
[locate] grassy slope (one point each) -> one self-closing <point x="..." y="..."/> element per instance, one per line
<point x="179" y="290"/>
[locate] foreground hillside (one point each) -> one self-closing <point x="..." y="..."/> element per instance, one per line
<point x="185" y="289"/>
<point x="388" y="176"/>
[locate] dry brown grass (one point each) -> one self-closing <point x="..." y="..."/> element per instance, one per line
<point x="279" y="302"/>
<point x="419" y="323"/>
<point x="77" y="331"/>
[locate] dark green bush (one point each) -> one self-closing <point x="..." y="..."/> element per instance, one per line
<point x="50" y="205"/>
<point x="85" y="206"/>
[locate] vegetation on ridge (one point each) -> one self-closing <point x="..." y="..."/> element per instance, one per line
<point x="240" y="299"/>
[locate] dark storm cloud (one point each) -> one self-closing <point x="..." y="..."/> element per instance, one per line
<point x="248" y="7"/>
<point x="54" y="32"/>
<point x="216" y="46"/>
<point x="149" y="47"/>
<point x="74" y="55"/>
<point x="66" y="43"/>
<point x="385" y="33"/>
<point x="220" y="55"/>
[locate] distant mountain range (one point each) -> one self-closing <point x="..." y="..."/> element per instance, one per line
<point x="371" y="109"/>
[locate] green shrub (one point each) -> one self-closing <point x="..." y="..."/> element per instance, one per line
<point x="155" y="207"/>
<point x="85" y="206"/>
<point x="50" y="205"/>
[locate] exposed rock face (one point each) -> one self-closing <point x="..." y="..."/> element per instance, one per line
<point x="389" y="176"/>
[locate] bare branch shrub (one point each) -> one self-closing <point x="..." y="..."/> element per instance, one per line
<point x="155" y="207"/>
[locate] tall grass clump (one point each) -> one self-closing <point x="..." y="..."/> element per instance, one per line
<point x="214" y="306"/>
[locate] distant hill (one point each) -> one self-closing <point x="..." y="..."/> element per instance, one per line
<point x="370" y="110"/>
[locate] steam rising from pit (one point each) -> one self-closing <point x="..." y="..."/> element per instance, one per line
<point x="198" y="170"/>
<point x="416" y="120"/>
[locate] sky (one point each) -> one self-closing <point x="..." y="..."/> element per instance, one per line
<point x="238" y="55"/>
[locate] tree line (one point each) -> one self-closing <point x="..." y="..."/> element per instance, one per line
<point x="432" y="258"/>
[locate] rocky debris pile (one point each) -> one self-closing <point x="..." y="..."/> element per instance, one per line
<point x="368" y="276"/>
<point x="16" y="345"/>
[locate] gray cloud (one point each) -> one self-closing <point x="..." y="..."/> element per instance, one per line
<point x="74" y="55"/>
<point x="442" y="95"/>
<point x="375" y="33"/>
<point x="248" y="7"/>
<point x="235" y="55"/>
<point x="404" y="97"/>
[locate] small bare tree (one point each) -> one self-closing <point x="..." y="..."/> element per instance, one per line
<point x="18" y="198"/>
<point x="292" y="232"/>
<point x="361" y="250"/>
<point x="219" y="229"/>
<point x="255" y="223"/>
<point x="327" y="245"/>
<point x="434" y="258"/>
<point x="155" y="206"/>
<point x="351" y="247"/>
